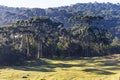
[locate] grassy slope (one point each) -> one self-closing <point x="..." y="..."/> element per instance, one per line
<point x="82" y="69"/>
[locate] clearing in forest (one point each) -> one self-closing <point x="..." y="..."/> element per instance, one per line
<point x="96" y="68"/>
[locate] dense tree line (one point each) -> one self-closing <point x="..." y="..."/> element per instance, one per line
<point x="41" y="37"/>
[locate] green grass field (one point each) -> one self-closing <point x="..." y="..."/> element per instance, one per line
<point x="79" y="69"/>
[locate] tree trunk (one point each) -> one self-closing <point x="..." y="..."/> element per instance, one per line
<point x="41" y="52"/>
<point x="28" y="45"/>
<point x="38" y="53"/>
<point x="22" y="46"/>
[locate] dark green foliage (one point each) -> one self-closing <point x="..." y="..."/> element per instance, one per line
<point x="41" y="37"/>
<point x="11" y="57"/>
<point x="115" y="49"/>
<point x="86" y="11"/>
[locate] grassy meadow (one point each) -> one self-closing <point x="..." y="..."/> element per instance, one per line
<point x="96" y="68"/>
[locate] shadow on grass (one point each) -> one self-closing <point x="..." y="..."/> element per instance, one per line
<point x="110" y="63"/>
<point x="97" y="71"/>
<point x="34" y="68"/>
<point x="39" y="65"/>
<point x="42" y="66"/>
<point x="46" y="66"/>
<point x="113" y="68"/>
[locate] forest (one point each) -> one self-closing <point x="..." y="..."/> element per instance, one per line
<point x="40" y="37"/>
<point x="63" y="32"/>
<point x="76" y="42"/>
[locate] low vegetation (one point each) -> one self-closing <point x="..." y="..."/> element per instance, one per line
<point x="96" y="68"/>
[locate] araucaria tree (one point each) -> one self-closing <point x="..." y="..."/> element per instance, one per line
<point x="41" y="37"/>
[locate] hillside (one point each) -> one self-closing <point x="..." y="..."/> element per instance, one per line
<point x="77" y="42"/>
<point x="110" y="12"/>
<point x="45" y="34"/>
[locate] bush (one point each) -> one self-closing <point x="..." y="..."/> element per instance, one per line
<point x="115" y="49"/>
<point x="11" y="58"/>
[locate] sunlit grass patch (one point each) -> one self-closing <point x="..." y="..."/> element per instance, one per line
<point x="97" y="68"/>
